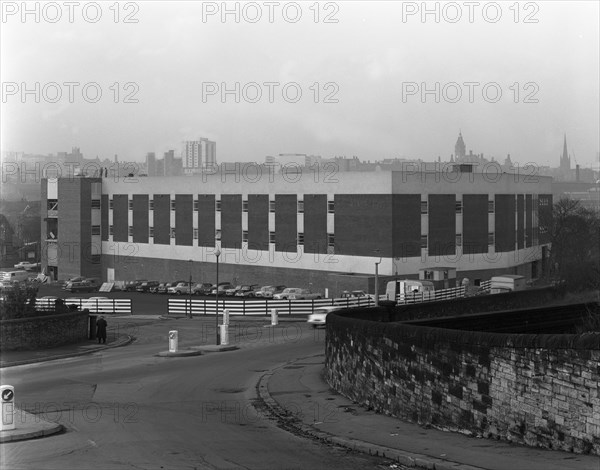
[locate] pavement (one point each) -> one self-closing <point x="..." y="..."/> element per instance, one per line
<point x="297" y="397"/>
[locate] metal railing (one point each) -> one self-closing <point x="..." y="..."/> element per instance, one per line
<point x="431" y="296"/>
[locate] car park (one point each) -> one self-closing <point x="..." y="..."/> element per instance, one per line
<point x="246" y="291"/>
<point x="203" y="288"/>
<point x="305" y="294"/>
<point x="146" y="286"/>
<point x="319" y="315"/>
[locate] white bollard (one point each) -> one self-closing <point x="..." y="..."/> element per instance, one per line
<point x="226" y="317"/>
<point x="224" y="335"/>
<point x="7" y="394"/>
<point x="274" y="320"/>
<point x="173" y="341"/>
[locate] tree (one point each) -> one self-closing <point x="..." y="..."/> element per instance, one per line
<point x="575" y="252"/>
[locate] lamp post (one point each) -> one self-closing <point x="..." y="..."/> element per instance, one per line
<point x="377" y="280"/>
<point x="190" y="287"/>
<point x="217" y="254"/>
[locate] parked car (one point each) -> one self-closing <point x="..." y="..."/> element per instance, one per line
<point x="319" y="315"/>
<point x="131" y="286"/>
<point x="180" y="288"/>
<point x="267" y="292"/>
<point x="165" y="287"/>
<point x="81" y="286"/>
<point x="285" y="293"/>
<point x="155" y="289"/>
<point x="355" y="294"/>
<point x="26" y="265"/>
<point x="222" y="288"/>
<point x="203" y="288"/>
<point x="96" y="282"/>
<point x="145" y="286"/>
<point x="232" y="290"/>
<point x="305" y="294"/>
<point x="247" y="291"/>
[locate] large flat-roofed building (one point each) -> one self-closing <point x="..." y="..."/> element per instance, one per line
<point x="321" y="231"/>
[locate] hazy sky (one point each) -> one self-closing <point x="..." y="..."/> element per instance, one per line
<point x="365" y="63"/>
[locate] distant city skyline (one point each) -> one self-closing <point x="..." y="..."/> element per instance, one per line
<point x="377" y="83"/>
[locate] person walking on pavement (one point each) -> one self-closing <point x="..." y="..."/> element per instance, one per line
<point x="101" y="325"/>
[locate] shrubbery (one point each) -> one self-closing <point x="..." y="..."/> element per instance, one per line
<point x="19" y="301"/>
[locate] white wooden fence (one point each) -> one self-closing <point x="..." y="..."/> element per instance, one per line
<point x="181" y="306"/>
<point x="121" y="306"/>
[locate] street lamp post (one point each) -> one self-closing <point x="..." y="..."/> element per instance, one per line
<point x="190" y="287"/>
<point x="377" y="280"/>
<point x="217" y="254"/>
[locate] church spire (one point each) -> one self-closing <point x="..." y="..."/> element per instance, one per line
<point x="460" y="149"/>
<point x="565" y="161"/>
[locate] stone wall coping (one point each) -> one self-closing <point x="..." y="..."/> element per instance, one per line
<point x="420" y="335"/>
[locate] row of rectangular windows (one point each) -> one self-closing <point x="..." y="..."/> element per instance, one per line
<point x="300" y="238"/>
<point x="330" y="236"/>
<point x="300" y="205"/>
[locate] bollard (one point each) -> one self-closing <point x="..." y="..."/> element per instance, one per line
<point x="224" y="335"/>
<point x="173" y="341"/>
<point x="226" y="317"/>
<point x="274" y="319"/>
<point x="7" y="394"/>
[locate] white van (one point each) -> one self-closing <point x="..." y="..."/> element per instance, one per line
<point x="507" y="283"/>
<point x="14" y="276"/>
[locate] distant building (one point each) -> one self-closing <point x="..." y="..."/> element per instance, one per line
<point x="197" y="155"/>
<point x="151" y="164"/>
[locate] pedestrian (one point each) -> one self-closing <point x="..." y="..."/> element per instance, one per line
<point x="101" y="327"/>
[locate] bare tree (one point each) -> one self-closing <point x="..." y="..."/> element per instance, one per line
<point x="575" y="251"/>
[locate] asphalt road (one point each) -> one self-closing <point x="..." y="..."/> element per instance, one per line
<point x="125" y="408"/>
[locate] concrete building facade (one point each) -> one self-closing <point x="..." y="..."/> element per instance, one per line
<point x="299" y="230"/>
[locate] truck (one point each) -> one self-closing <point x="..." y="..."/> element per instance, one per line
<point x="507" y="283"/>
<point x="408" y="289"/>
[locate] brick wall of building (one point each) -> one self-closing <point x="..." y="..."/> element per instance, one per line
<point x="538" y="390"/>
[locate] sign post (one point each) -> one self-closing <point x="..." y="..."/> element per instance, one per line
<point x="7" y="395"/>
<point x="173" y="341"/>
